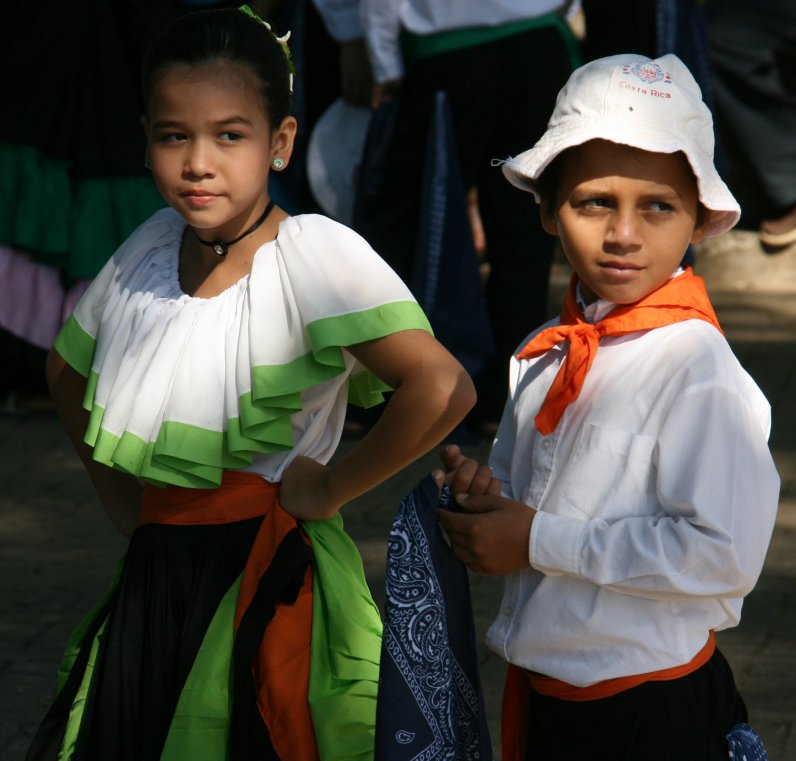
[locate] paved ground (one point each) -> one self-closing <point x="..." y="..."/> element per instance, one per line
<point x="57" y="552"/>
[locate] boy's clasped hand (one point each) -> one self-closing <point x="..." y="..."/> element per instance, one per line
<point x="491" y="533"/>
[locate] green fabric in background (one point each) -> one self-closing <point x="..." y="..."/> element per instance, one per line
<point x="417" y="46"/>
<point x="105" y="212"/>
<point x="36" y="198"/>
<point x="74" y="225"/>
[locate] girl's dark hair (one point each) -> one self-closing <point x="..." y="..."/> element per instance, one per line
<point x="221" y="36"/>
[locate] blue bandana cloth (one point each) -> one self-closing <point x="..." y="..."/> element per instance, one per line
<point x="745" y="744"/>
<point x="430" y="705"/>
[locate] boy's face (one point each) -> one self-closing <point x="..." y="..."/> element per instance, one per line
<point x="624" y="217"/>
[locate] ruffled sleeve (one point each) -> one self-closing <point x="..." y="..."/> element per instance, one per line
<point x="76" y="341"/>
<point x="323" y="289"/>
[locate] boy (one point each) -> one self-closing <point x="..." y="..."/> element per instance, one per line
<point x="632" y="495"/>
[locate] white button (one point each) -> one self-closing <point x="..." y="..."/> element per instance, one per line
<point x="546" y="444"/>
<point x="508" y="610"/>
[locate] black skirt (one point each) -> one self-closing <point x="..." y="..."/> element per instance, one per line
<point x="146" y="636"/>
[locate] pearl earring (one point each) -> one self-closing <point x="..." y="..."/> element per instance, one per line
<point x="277" y="163"/>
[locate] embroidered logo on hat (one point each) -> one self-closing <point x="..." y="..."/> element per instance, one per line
<point x="648" y="72"/>
<point x="653" y="105"/>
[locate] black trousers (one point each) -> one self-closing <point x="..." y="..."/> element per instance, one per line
<point x="501" y="95"/>
<point x="683" y="719"/>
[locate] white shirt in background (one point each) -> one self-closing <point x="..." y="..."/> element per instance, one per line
<point x="383" y="21"/>
<point x="341" y="18"/>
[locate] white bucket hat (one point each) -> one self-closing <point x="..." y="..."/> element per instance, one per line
<point x="655" y="105"/>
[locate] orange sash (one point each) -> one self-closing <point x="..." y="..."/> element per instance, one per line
<point x="520" y="683"/>
<point x="281" y="672"/>
<point x="681" y="298"/>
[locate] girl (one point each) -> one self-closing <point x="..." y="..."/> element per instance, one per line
<point x="203" y="379"/>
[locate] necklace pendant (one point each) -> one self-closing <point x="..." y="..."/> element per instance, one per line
<point x="220" y="247"/>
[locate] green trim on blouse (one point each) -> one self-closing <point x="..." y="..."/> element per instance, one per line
<point x="76" y="346"/>
<point x="356" y="327"/>
<point x="188" y="455"/>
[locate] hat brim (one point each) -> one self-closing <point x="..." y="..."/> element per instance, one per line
<point x="526" y="168"/>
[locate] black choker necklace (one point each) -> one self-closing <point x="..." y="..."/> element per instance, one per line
<point x="221" y="247"/>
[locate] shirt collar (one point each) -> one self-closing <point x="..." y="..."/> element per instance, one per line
<point x="599" y="310"/>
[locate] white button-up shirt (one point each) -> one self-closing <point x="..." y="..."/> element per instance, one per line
<point x="384" y="20"/>
<point x="341" y="18"/>
<point x="656" y="499"/>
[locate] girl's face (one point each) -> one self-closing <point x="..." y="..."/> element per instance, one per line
<point x="625" y="218"/>
<point x="210" y="147"/>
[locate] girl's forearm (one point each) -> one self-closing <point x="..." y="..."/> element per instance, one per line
<point x="421" y="412"/>
<point x="119" y="493"/>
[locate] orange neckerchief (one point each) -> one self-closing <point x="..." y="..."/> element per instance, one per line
<point x="519" y="683"/>
<point x="681" y="298"/>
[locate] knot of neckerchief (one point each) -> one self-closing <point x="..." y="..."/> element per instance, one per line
<point x="221" y="247"/>
<point x="681" y="298"/>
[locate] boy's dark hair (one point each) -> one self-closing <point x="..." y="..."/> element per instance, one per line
<point x="549" y="181"/>
<point x="222" y="36"/>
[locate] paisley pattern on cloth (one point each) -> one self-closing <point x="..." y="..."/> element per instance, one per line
<point x="745" y="744"/>
<point x="430" y="704"/>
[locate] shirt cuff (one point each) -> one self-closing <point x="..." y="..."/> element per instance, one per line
<point x="555" y="544"/>
<point x="388" y="67"/>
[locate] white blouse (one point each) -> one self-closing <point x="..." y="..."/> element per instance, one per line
<point x="181" y="388"/>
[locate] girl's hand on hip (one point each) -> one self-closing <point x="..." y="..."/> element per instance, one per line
<point x="304" y="492"/>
